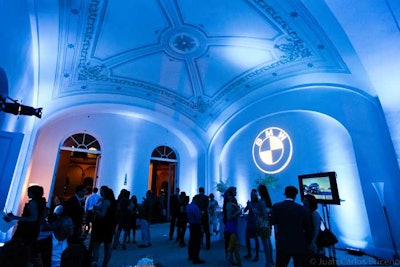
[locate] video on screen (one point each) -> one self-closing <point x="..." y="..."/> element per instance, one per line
<point x="321" y="185"/>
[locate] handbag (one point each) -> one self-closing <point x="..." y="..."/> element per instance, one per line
<point x="325" y="237"/>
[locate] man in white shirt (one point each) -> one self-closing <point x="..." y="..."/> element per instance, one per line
<point x="90" y="202"/>
<point x="49" y="250"/>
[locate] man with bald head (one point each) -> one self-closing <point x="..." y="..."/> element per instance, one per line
<point x="55" y="250"/>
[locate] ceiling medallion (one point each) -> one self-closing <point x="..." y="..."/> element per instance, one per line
<point x="184" y="42"/>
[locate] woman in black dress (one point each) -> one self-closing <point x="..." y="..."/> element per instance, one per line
<point x="104" y="224"/>
<point x="28" y="227"/>
<point x="134" y="209"/>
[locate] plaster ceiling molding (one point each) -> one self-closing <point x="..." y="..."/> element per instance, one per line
<point x="195" y="57"/>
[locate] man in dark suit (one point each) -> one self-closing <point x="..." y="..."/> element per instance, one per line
<point x="74" y="207"/>
<point x="292" y="228"/>
<point x="55" y="250"/>
<point x="202" y="201"/>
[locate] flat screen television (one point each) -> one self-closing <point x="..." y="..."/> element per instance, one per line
<point x="321" y="185"/>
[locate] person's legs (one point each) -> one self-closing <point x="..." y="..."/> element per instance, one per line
<point x="182" y="231"/>
<point x="117" y="235"/>
<point x="216" y="224"/>
<point x="248" y="246"/>
<point x="143" y="226"/>
<point x="133" y="229"/>
<point x="270" y="251"/>
<point x="191" y="243"/>
<point x="269" y="261"/>
<point x="95" y="251"/>
<point x="226" y="242"/>
<point x="172" y="226"/>
<point x="235" y="248"/>
<point x="107" y="254"/>
<point x="148" y="233"/>
<point x="282" y="259"/>
<point x="298" y="260"/>
<point x="257" y="243"/>
<point x="145" y="229"/>
<point x="196" y="243"/>
<point x="124" y="238"/>
<point x="206" y="229"/>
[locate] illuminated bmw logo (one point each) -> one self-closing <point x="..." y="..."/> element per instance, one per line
<point x="272" y="150"/>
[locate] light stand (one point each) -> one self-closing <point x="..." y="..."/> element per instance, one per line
<point x="379" y="191"/>
<point x="327" y="219"/>
<point x="17" y="109"/>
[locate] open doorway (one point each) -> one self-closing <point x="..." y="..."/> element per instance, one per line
<point x="77" y="164"/>
<point x="162" y="178"/>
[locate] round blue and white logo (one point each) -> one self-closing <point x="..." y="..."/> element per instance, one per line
<point x="272" y="150"/>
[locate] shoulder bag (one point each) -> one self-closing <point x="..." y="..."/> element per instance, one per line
<point x="325" y="237"/>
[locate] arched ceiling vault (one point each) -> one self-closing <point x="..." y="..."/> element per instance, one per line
<point x="195" y="57"/>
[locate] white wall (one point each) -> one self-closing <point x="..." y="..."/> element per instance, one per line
<point x="126" y="145"/>
<point x="331" y="130"/>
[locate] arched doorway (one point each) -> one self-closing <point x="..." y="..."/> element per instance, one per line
<point x="78" y="161"/>
<point x="163" y="180"/>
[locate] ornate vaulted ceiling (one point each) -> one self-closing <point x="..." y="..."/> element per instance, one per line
<point x="195" y="57"/>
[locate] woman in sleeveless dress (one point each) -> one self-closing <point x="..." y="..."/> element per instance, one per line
<point x="263" y="228"/>
<point x="104" y="224"/>
<point x="28" y="227"/>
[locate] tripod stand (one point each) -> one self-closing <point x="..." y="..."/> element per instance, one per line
<point x="326" y="218"/>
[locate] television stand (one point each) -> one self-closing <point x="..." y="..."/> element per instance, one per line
<point x="327" y="220"/>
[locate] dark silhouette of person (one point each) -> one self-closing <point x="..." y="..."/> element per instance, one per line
<point x="202" y="202"/>
<point x="292" y="228"/>
<point x="213" y="214"/>
<point x="57" y="250"/>
<point x="232" y="211"/>
<point x="147" y="213"/>
<point x="74" y="207"/>
<point x="251" y="225"/>
<point x="123" y="218"/>
<point x="264" y="232"/>
<point x="90" y="202"/>
<point x="195" y="221"/>
<point x="311" y="206"/>
<point x="28" y="227"/>
<point x="134" y="209"/>
<point x="104" y="225"/>
<point x="15" y="253"/>
<point x="174" y="213"/>
<point x="182" y="218"/>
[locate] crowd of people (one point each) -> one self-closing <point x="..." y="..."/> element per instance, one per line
<point x="106" y="217"/>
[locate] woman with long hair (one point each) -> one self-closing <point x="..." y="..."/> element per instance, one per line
<point x="104" y="224"/>
<point x="263" y="226"/>
<point x="28" y="227"/>
<point x="232" y="211"/>
<point x="251" y="225"/>
<point x="123" y="218"/>
<point x="134" y="209"/>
